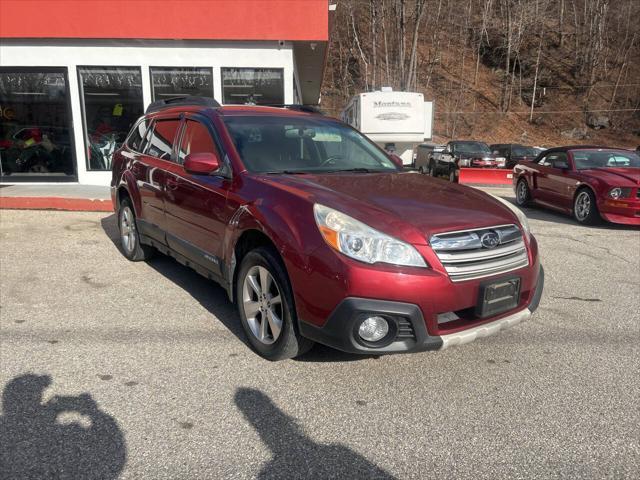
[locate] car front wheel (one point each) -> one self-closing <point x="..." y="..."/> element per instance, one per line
<point x="265" y="305"/>
<point x="523" y="196"/>
<point x="585" y="208"/>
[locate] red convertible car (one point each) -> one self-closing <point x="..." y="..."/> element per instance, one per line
<point x="592" y="183"/>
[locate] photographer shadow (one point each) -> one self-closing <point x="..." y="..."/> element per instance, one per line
<point x="294" y="454"/>
<point x="65" y="438"/>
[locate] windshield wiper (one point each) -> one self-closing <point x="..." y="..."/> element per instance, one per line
<point x="285" y="172"/>
<point x="355" y="170"/>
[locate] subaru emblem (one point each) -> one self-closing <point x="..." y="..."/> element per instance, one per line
<point x="490" y="239"/>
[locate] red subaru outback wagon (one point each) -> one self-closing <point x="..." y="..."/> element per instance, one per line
<point x="317" y="234"/>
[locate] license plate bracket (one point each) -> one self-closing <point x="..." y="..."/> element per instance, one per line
<point x="497" y="296"/>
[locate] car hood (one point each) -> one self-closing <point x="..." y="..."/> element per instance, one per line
<point x="407" y="205"/>
<point x="616" y="177"/>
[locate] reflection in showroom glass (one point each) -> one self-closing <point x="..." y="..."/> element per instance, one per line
<point x="167" y="82"/>
<point x="253" y="86"/>
<point x="112" y="102"/>
<point x="35" y="125"/>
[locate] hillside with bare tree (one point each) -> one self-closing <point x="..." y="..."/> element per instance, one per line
<point x="533" y="71"/>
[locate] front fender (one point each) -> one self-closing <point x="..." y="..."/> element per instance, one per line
<point x="292" y="231"/>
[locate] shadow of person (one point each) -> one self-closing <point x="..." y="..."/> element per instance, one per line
<point x="294" y="454"/>
<point x="66" y="438"/>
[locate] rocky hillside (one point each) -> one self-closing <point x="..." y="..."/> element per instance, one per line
<point x="485" y="62"/>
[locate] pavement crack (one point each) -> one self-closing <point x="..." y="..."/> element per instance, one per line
<point x="579" y="299"/>
<point x="566" y="237"/>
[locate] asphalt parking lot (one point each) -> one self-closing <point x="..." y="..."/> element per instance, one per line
<point x="112" y="369"/>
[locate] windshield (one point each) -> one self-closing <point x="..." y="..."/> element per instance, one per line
<point x="303" y="144"/>
<point x="586" y="159"/>
<point x="471" y="147"/>
<point x="522" y="151"/>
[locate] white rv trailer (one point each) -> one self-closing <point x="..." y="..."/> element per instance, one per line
<point x="396" y="121"/>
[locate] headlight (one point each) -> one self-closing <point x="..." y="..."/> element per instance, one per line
<point x="522" y="218"/>
<point x="361" y="242"/>
<point x="619" y="192"/>
<point x="464" y="162"/>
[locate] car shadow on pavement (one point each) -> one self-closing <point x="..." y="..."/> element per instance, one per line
<point x="67" y="437"/>
<point x="295" y="455"/>
<point x="206" y="292"/>
<point x="214" y="298"/>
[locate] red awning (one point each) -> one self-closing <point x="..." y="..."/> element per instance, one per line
<point x="301" y="20"/>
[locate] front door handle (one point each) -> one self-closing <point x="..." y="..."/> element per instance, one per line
<point x="171" y="184"/>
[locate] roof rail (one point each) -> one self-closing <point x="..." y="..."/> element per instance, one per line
<point x="182" y="101"/>
<point x="295" y="106"/>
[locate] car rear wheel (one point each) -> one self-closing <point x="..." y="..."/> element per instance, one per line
<point x="523" y="195"/>
<point x="585" y="208"/>
<point x="265" y="305"/>
<point x="129" y="236"/>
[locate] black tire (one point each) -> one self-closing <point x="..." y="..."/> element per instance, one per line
<point x="523" y="194"/>
<point x="131" y="246"/>
<point x="289" y="343"/>
<point x="452" y="175"/>
<point x="585" y="207"/>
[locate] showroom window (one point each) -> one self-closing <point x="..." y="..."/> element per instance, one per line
<point x="167" y="82"/>
<point x="35" y="125"/>
<point x="253" y="86"/>
<point x="111" y="103"/>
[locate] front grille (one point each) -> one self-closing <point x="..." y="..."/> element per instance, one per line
<point x="465" y="256"/>
<point x="405" y="329"/>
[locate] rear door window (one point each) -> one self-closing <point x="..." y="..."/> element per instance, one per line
<point x="162" y="138"/>
<point x="136" y="138"/>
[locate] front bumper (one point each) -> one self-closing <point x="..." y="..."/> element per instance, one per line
<point x="624" y="211"/>
<point x="339" y="331"/>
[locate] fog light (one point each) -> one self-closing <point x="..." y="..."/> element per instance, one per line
<point x="373" y="329"/>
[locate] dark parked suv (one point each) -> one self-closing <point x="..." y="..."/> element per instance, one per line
<point x="317" y="235"/>
<point x="514" y="153"/>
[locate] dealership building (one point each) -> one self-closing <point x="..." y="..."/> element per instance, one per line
<point x="74" y="76"/>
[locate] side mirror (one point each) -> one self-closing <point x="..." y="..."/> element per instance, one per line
<point x="201" y="163"/>
<point x="396" y="160"/>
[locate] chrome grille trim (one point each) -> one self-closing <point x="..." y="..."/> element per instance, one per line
<point x="464" y="258"/>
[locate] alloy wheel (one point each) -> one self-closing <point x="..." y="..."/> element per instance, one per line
<point x="522" y="192"/>
<point x="583" y="205"/>
<point x="127" y="230"/>
<point x="262" y="304"/>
